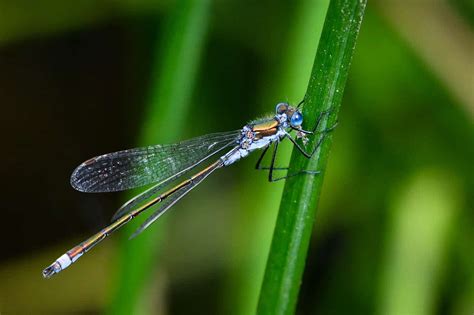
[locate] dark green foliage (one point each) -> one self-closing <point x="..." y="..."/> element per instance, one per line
<point x="298" y="207"/>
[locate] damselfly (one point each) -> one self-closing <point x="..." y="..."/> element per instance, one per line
<point x="162" y="165"/>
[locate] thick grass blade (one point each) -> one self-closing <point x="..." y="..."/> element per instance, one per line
<point x="286" y="82"/>
<point x="293" y="229"/>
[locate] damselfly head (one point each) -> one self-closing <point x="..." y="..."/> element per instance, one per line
<point x="293" y="114"/>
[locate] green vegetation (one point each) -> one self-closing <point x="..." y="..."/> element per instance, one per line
<point x="172" y="82"/>
<point x="298" y="207"/>
<point x="392" y="220"/>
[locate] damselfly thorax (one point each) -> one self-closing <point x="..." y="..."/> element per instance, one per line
<point x="162" y="165"/>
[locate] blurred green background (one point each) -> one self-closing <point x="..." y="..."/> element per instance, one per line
<point x="395" y="229"/>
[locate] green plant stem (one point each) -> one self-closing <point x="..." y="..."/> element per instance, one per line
<point x="295" y="220"/>
<point x="173" y="80"/>
<point x="287" y="80"/>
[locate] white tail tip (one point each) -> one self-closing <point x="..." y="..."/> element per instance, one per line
<point x="60" y="264"/>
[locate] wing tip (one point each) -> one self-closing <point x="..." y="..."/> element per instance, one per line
<point x="75" y="180"/>
<point x="137" y="232"/>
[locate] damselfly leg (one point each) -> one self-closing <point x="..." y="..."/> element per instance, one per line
<point x="271" y="168"/>
<point x="310" y="154"/>
<point x="318" y="122"/>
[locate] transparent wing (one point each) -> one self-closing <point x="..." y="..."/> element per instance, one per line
<point x="175" y="197"/>
<point x="141" y="166"/>
<point x="155" y="189"/>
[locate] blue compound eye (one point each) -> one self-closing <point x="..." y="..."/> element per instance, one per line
<point x="296" y="119"/>
<point x="281" y="108"/>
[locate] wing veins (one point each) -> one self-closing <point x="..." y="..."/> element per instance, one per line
<point x="132" y="203"/>
<point x="142" y="166"/>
